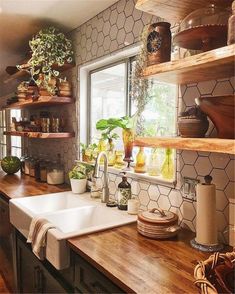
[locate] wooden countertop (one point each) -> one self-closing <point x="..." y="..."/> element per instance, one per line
<point x="141" y="265"/>
<point x="18" y="185"/>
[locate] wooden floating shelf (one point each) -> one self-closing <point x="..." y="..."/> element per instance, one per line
<point x="24" y="73"/>
<point x="194" y="144"/>
<point x="174" y="10"/>
<point x="41" y="101"/>
<point x="39" y="135"/>
<point x="214" y="64"/>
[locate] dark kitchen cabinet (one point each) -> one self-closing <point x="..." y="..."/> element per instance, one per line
<point x="90" y="280"/>
<point x="35" y="276"/>
<point x="6" y="244"/>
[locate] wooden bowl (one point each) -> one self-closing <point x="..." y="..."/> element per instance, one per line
<point x="192" y="127"/>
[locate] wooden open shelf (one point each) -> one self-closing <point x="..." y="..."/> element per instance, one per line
<point x="214" y="64"/>
<point x="23" y="73"/>
<point x="40" y="135"/>
<point x="194" y="144"/>
<point x="174" y="10"/>
<point x="41" y="101"/>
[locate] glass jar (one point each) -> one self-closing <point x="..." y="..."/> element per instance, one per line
<point x="27" y="165"/>
<point x="140" y="166"/>
<point x="44" y="164"/>
<point x="32" y="166"/>
<point x="167" y="169"/>
<point x="37" y="169"/>
<point x="231" y="26"/>
<point x="110" y="152"/>
<point x="153" y="168"/>
<point x="55" y="173"/>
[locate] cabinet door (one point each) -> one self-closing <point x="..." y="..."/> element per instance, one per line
<point x="33" y="277"/>
<point x="5" y="226"/>
<point x="90" y="280"/>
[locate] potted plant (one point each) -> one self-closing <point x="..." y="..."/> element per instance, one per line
<point x="50" y="49"/>
<point x="128" y="132"/>
<point x="78" y="180"/>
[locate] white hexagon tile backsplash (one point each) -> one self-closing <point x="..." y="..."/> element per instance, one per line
<point x="114" y="29"/>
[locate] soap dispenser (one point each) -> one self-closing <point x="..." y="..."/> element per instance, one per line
<point x="124" y="193"/>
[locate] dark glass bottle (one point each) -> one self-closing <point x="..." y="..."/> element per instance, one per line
<point x="124" y="193"/>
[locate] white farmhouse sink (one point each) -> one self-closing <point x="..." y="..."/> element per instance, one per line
<point x="73" y="215"/>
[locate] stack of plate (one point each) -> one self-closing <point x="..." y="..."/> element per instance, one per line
<point x="157" y="224"/>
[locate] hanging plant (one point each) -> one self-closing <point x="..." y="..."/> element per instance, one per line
<point x="49" y="47"/>
<point x="140" y="87"/>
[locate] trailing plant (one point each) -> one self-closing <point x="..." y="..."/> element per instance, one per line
<point x="49" y="47"/>
<point x="140" y="87"/>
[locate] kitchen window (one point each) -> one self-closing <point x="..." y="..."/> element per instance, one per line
<point x="3" y="142"/>
<point x="16" y="142"/>
<point x="109" y="95"/>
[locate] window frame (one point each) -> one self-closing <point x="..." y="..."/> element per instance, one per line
<point x="125" y="61"/>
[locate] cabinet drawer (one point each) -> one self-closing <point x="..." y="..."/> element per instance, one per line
<point x="90" y="280"/>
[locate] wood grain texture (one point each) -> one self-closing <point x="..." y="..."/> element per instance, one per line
<point x="141" y="265"/>
<point x="40" y="101"/>
<point x="214" y="64"/>
<point x="39" y="135"/>
<point x="194" y="144"/>
<point x="18" y="185"/>
<point x="3" y="286"/>
<point x="174" y="10"/>
<point x="24" y="73"/>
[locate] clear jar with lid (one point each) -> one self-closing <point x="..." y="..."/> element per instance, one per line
<point x="27" y="165"/>
<point x="32" y="166"/>
<point x="55" y="173"/>
<point x="44" y="164"/>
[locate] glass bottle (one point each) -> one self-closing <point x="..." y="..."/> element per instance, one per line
<point x="167" y="169"/>
<point x="111" y="152"/>
<point x="55" y="172"/>
<point x="140" y="166"/>
<point x="119" y="163"/>
<point x="124" y="193"/>
<point x="153" y="168"/>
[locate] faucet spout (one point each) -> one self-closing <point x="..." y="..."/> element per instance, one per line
<point x="105" y="190"/>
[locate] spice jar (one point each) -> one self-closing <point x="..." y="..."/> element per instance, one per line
<point x="26" y="165"/>
<point x="140" y="166"/>
<point x="32" y="165"/>
<point x="231" y="26"/>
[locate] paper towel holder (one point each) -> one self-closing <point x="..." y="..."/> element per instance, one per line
<point x="203" y="247"/>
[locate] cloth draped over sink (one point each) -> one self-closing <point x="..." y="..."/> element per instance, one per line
<point x="38" y="234"/>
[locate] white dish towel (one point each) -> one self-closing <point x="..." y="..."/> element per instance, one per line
<point x="37" y="235"/>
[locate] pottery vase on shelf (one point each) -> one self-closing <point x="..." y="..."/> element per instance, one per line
<point x="64" y="89"/>
<point x="193" y="123"/>
<point x="159" y="43"/>
<point x="128" y="136"/>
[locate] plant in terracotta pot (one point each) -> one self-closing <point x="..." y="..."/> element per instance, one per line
<point x="49" y="48"/>
<point x="78" y="180"/>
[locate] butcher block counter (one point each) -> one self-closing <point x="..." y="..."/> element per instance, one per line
<point x="134" y="263"/>
<point x="18" y="185"/>
<point x="141" y="265"/>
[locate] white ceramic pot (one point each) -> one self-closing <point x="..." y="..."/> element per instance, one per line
<point x="78" y="186"/>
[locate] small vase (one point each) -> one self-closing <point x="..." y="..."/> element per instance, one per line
<point x="140" y="166"/>
<point x="153" y="168"/>
<point x="128" y="136"/>
<point x="167" y="169"/>
<point x="159" y="43"/>
<point x="111" y="152"/>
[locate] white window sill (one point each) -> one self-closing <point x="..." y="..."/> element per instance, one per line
<point x="137" y="176"/>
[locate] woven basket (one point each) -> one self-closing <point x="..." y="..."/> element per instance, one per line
<point x="209" y="277"/>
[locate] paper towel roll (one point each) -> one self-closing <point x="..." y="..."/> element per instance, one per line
<point x="206" y="227"/>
